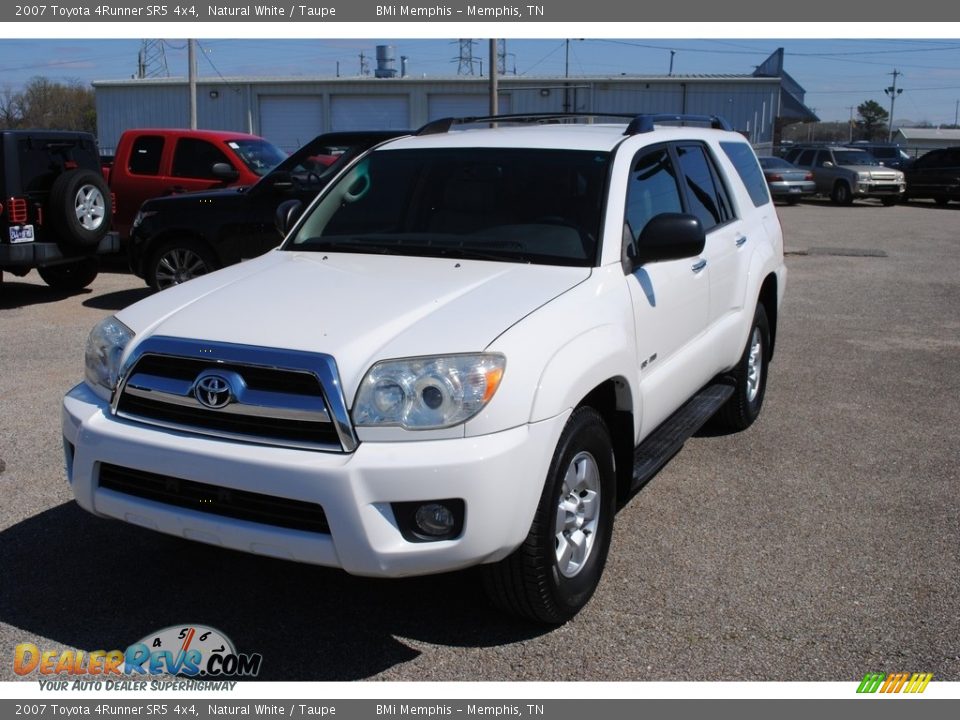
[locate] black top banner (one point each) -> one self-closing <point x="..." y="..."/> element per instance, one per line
<point x="822" y="14"/>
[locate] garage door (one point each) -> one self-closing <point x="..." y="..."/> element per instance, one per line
<point x="369" y="112"/>
<point x="290" y="121"/>
<point x="441" y="106"/>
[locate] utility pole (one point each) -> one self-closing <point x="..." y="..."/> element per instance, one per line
<point x="956" y="114"/>
<point x="892" y="91"/>
<point x="672" y="53"/>
<point x="851" y="123"/>
<point x="566" y="75"/>
<point x="192" y="73"/>
<point x="494" y="68"/>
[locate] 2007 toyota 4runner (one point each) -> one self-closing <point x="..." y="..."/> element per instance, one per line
<point x="55" y="206"/>
<point x="471" y="346"/>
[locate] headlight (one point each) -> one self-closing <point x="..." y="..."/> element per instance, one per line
<point x="106" y="344"/>
<point x="863" y="176"/>
<point x="428" y="393"/>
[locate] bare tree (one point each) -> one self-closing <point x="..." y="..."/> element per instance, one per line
<point x="45" y="104"/>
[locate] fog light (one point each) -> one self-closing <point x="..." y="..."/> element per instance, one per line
<point x="434" y="519"/>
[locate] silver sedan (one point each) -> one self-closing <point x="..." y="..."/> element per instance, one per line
<point x="785" y="180"/>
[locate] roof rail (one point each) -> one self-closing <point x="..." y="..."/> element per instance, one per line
<point x="443" y="125"/>
<point x="645" y="123"/>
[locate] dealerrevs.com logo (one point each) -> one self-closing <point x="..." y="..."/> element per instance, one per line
<point x="888" y="683"/>
<point x="193" y="651"/>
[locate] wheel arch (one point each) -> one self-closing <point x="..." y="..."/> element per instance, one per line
<point x="768" y="298"/>
<point x="612" y="400"/>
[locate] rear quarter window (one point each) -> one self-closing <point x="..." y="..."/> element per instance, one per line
<point x="747" y="167"/>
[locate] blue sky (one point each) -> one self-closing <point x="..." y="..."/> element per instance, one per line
<point x="837" y="73"/>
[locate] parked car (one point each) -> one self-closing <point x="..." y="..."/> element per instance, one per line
<point x="470" y="349"/>
<point x="785" y="180"/>
<point x="178" y="237"/>
<point x="55" y="207"/>
<point x="935" y="175"/>
<point x="845" y="174"/>
<point x="887" y="154"/>
<point x="151" y="163"/>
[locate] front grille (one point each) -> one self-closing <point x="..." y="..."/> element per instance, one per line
<point x="215" y="500"/>
<point x="264" y="395"/>
<point x="242" y="426"/>
<point x="257" y="378"/>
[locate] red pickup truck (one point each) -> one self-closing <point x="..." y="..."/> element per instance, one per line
<point x="152" y="163"/>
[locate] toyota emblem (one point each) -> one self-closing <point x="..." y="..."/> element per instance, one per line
<point x="213" y="391"/>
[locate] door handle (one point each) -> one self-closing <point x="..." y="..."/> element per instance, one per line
<point x="741" y="240"/>
<point x="699" y="265"/>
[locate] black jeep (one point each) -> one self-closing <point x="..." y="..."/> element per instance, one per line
<point x="55" y="207"/>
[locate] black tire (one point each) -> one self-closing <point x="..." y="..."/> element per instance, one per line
<point x="749" y="379"/>
<point x="72" y="276"/>
<point x="941" y="200"/>
<point x="79" y="209"/>
<point x="841" y="194"/>
<point x="792" y="200"/>
<point x="177" y="261"/>
<point x="534" y="582"/>
<point x="889" y="201"/>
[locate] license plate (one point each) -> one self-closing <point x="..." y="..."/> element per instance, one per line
<point x="21" y="233"/>
<point x="794" y="189"/>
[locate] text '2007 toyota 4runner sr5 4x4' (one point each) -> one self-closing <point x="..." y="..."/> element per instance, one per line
<point x="470" y="347"/>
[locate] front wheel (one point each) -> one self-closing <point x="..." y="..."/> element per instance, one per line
<point x="889" y="201"/>
<point x="556" y="570"/>
<point x="841" y="194"/>
<point x="176" y="262"/>
<point x="749" y="378"/>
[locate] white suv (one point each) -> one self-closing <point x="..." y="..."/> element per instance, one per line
<point x="469" y="349"/>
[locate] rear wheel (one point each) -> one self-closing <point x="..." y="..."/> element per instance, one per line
<point x="176" y="262"/>
<point x="888" y="201"/>
<point x="555" y="572"/>
<point x="749" y="377"/>
<point x="71" y="276"/>
<point x="940" y="200"/>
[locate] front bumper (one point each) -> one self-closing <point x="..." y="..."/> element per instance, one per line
<point x="864" y="188"/>
<point x="499" y="477"/>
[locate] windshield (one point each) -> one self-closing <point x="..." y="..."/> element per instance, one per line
<point x="501" y="204"/>
<point x="258" y="155"/>
<point x="854" y="157"/>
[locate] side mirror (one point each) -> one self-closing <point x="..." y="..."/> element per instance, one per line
<point x="224" y="171"/>
<point x="827" y="164"/>
<point x="288" y="212"/>
<point x="668" y="236"/>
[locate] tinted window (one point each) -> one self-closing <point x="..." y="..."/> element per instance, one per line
<point x="42" y="160"/>
<point x="745" y="162"/>
<point x="652" y="189"/>
<point x="806" y="158"/>
<point x="706" y="196"/>
<point x="145" y="155"/>
<point x="933" y="159"/>
<point x="501" y="204"/>
<point x="195" y="159"/>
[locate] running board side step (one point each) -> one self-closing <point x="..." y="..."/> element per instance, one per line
<point x="664" y="442"/>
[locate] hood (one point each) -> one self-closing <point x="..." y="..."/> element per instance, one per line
<point x="194" y="198"/>
<point x="357" y="308"/>
<point x="876" y="171"/>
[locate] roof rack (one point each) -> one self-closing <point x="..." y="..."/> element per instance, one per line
<point x="645" y="123"/>
<point x="443" y="125"/>
<point x="642" y="123"/>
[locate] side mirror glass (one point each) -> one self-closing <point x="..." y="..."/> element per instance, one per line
<point x="288" y="212"/>
<point x="224" y="171"/>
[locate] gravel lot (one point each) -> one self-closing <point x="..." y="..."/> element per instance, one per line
<point x="820" y="544"/>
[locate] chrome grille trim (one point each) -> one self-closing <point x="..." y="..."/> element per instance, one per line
<point x="328" y="407"/>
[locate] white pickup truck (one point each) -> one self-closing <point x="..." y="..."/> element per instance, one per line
<point x="470" y="348"/>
